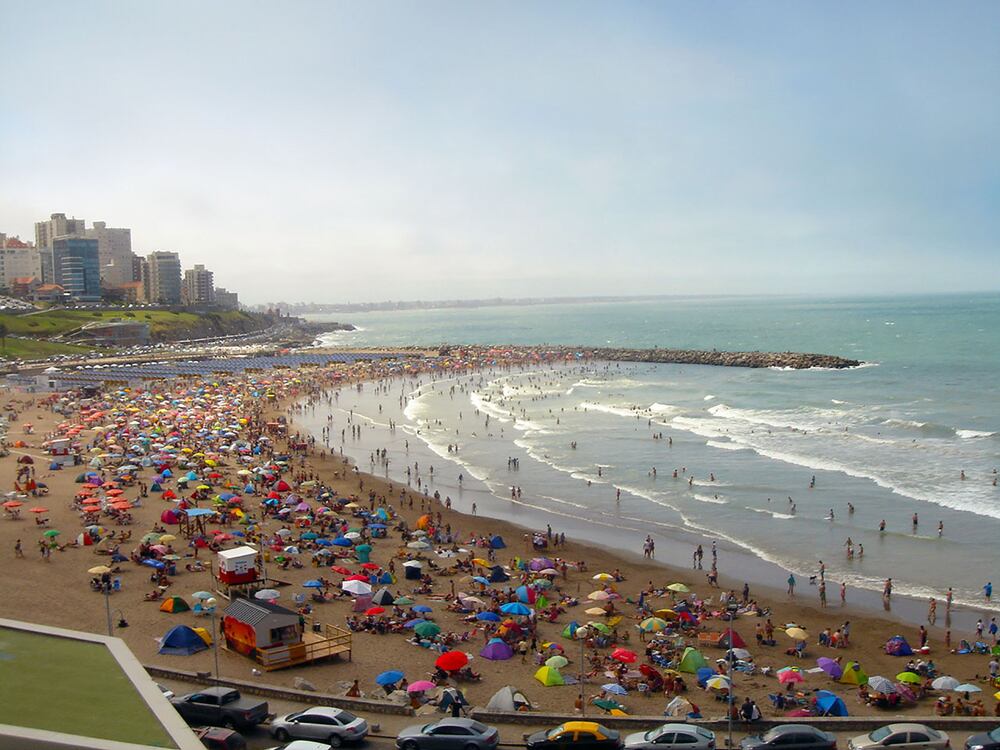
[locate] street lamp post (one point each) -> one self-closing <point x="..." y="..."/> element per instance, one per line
<point x="581" y="635"/>
<point x="210" y="603"/>
<point x="731" y="608"/>
<point x="107" y="604"/>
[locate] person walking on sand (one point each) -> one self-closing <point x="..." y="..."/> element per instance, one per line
<point x="843" y="593"/>
<point x="822" y="593"/>
<point x="947" y="600"/>
<point x="932" y="611"/>
<point x="18" y="550"/>
<point x="887" y="589"/>
<point x="791" y="584"/>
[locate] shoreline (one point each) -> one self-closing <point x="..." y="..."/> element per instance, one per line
<point x="905" y="610"/>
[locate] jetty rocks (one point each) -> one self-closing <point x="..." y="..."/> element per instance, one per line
<point x="781" y="360"/>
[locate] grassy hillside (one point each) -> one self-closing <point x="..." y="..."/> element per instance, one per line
<point x="164" y="325"/>
<point x="32" y="349"/>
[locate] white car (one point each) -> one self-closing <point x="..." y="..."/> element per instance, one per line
<point x="334" y="726"/>
<point x="903" y="736"/>
<point x="302" y="745"/>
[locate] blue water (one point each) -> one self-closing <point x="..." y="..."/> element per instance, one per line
<point x="891" y="438"/>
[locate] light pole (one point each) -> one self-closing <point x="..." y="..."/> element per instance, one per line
<point x="106" y="586"/>
<point x="581" y="635"/>
<point x="731" y="608"/>
<point x="210" y="603"/>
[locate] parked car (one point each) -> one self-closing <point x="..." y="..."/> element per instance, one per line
<point x="220" y="738"/>
<point x="332" y="725"/>
<point x="220" y="707"/>
<point x="672" y="737"/>
<point x="449" y="734"/>
<point x="790" y="737"/>
<point x="586" y="735"/>
<point x="904" y="736"/>
<point x="984" y="741"/>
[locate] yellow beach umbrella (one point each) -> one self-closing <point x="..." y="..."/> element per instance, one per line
<point x="678" y="588"/>
<point x="595" y="611"/>
<point x="797" y="633"/>
<point x="99" y="570"/>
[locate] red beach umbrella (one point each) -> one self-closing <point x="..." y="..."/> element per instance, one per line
<point x="451" y="661"/>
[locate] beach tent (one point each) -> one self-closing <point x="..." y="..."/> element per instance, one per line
<point x="897" y="646"/>
<point x="691" y="661"/>
<point x="497" y="575"/>
<point x="497" y="650"/>
<point x="508" y="698"/>
<point x="383" y="597"/>
<point x="853" y="674"/>
<point x="182" y="641"/>
<point x="570" y="630"/>
<point x="678" y="707"/>
<point x="204" y="635"/>
<point x="174" y="604"/>
<point x="830" y="704"/>
<point x="738" y="641"/>
<point x="549" y="676"/>
<point x="496" y="542"/>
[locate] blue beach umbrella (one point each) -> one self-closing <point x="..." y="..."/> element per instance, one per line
<point x="313" y="584"/>
<point x="515" y="608"/>
<point x="414" y="622"/>
<point x="488" y="617"/>
<point x="389" y="678"/>
<point x="422" y="608"/>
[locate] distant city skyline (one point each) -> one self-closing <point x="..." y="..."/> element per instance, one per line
<point x="333" y="152"/>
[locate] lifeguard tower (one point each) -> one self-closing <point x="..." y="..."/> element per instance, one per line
<point x="236" y="571"/>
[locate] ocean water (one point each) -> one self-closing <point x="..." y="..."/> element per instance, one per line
<point x="892" y="438"/>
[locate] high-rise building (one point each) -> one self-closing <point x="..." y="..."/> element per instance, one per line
<point x="18" y="260"/>
<point x="114" y="247"/>
<point x="226" y="300"/>
<point x="199" y="286"/>
<point x="76" y="267"/>
<point x="164" y="286"/>
<point x="57" y="225"/>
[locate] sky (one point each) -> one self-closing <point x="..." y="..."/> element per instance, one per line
<point x="364" y="151"/>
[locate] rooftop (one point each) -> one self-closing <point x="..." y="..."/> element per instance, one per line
<point x="88" y="688"/>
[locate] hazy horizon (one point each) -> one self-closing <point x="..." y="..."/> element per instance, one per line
<point x="334" y="152"/>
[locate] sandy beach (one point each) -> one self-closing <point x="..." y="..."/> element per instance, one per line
<point x="55" y="588"/>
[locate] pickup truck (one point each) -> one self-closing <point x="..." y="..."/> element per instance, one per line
<point x="221" y="707"/>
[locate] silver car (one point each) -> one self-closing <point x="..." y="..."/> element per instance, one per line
<point x="334" y="726"/>
<point x="449" y="734"/>
<point x="903" y="736"/>
<point x="672" y="737"/>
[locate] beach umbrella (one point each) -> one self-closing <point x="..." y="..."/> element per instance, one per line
<point x="38" y="510"/>
<point x="603" y="577"/>
<point x="451" y="661"/>
<point x="652" y="625"/>
<point x="595" y="611"/>
<point x="488" y="617"/>
<point x="549" y="676"/>
<point x="404" y="600"/>
<point x="879" y="684"/>
<point x="678" y="588"/>
<point x="414" y="622"/>
<point x="99" y="570"/>
<point x="614" y="689"/>
<point x="427" y="629"/>
<point x="797" y="633"/>
<point x="600" y="627"/>
<point x="967" y="687"/>
<point x="51" y="533"/>
<point x="909" y="677"/>
<point x="787" y="676"/>
<point x="623" y="655"/>
<point x="515" y="608"/>
<point x="201" y="595"/>
<point x="358" y="588"/>
<point x="420" y="686"/>
<point x="313" y="584"/>
<point x="831" y="666"/>
<point x="389" y="678"/>
<point x="739" y="653"/>
<point x="422" y="608"/>
<point x="599" y="596"/>
<point x="372" y="611"/>
<point x="267" y="594"/>
<point x="557" y="662"/>
<point x="945" y="683"/>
